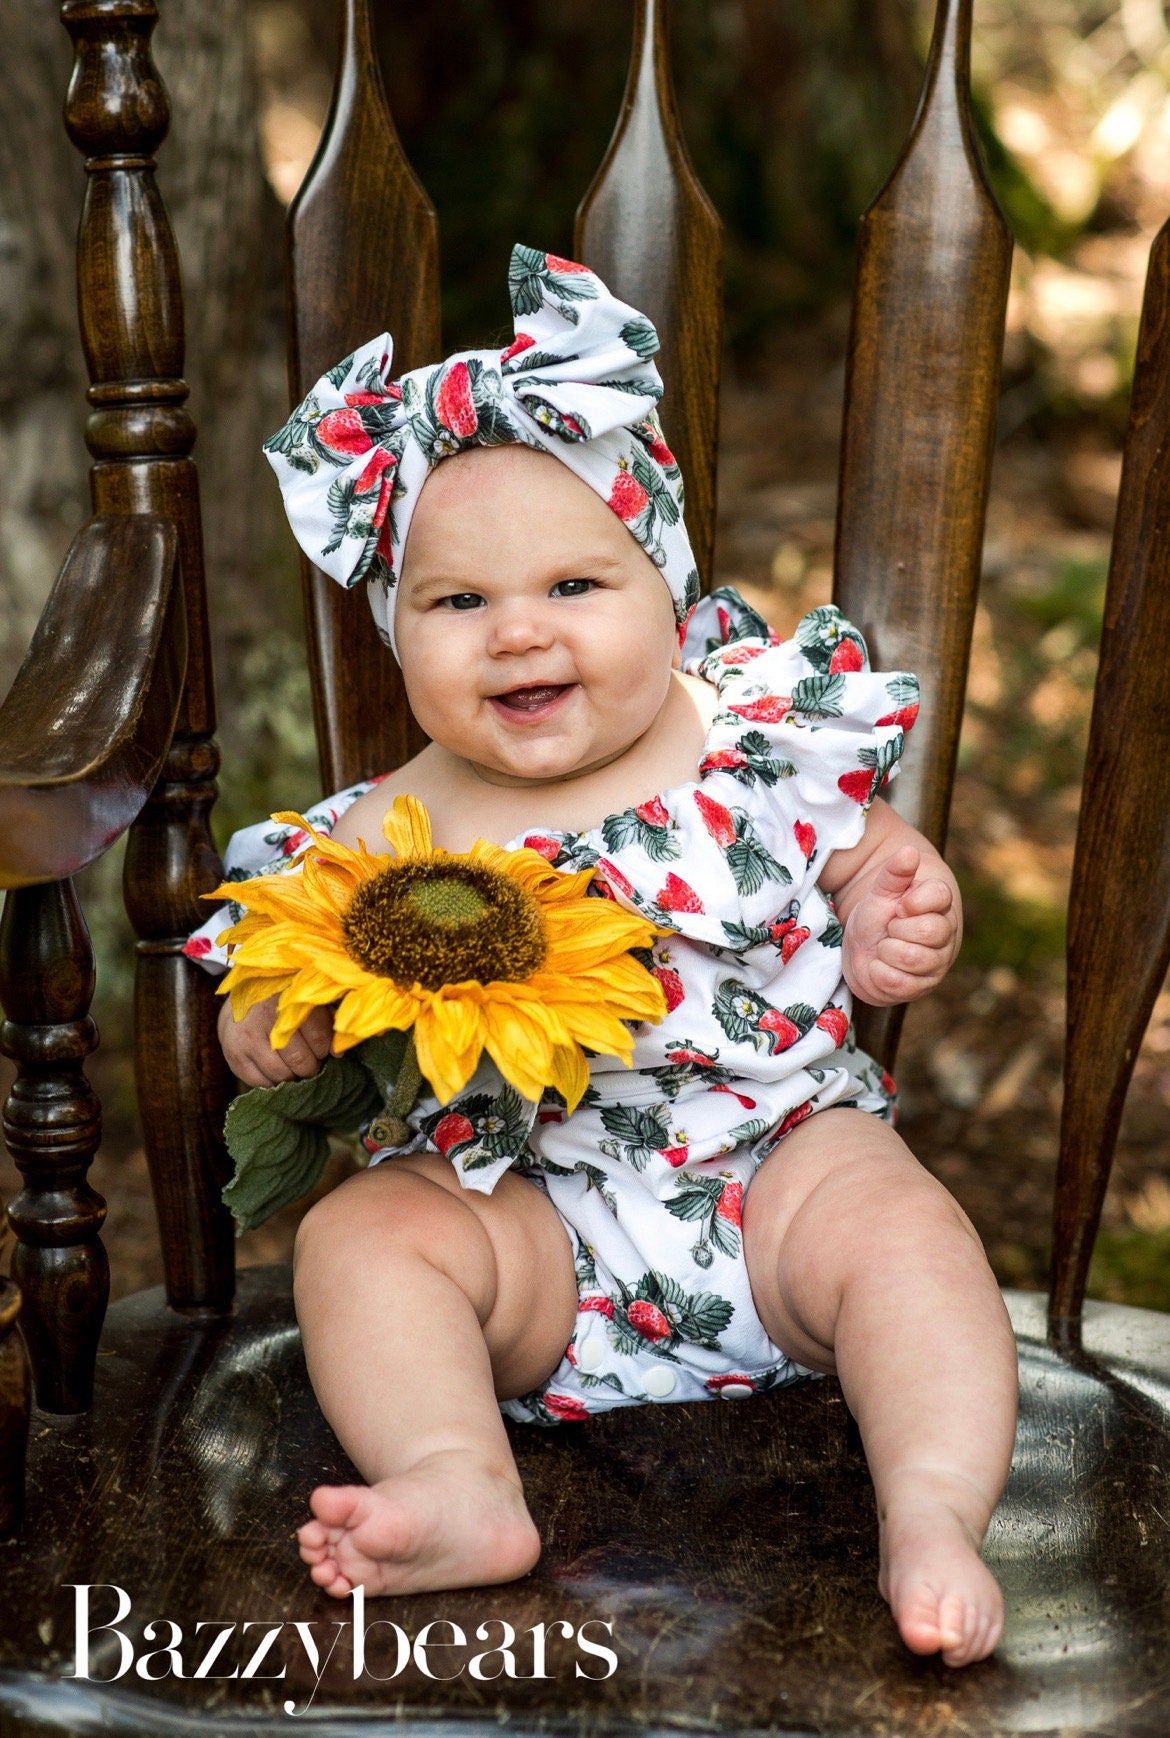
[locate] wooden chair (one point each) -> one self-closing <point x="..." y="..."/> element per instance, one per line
<point x="731" y="1548"/>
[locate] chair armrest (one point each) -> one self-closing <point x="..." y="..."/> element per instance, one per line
<point x="86" y="725"/>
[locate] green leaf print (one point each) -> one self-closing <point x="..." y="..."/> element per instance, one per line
<point x="819" y="696"/>
<point x="640" y="337"/>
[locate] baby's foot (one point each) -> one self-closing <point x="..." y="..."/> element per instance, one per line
<point x="943" y="1596"/>
<point x="447" y="1522"/>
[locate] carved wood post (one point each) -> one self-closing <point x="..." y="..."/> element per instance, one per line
<point x="140" y="434"/>
<point x="52" y="1124"/>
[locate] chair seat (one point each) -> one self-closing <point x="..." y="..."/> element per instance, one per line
<point x="731" y="1546"/>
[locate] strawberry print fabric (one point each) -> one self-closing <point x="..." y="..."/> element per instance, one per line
<point x="576" y="381"/>
<point x="649" y="1173"/>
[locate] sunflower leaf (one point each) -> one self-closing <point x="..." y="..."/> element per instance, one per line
<point x="279" y="1135"/>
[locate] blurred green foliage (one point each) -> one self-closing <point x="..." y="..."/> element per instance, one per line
<point x="1132" y="1266"/>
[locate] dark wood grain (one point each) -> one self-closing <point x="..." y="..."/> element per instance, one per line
<point x="731" y="1545"/>
<point x="933" y="259"/>
<point x="105" y="666"/>
<point x="15" y="1406"/>
<point x="140" y="434"/>
<point x="363" y="258"/>
<point x="1119" y="906"/>
<point x="650" y="232"/>
<point x="52" y="1127"/>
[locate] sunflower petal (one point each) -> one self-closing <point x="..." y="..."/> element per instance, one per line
<point x="407" y="828"/>
<point x="449" y="1039"/>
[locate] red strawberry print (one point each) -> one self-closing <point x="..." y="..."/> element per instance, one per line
<point x="857" y="785"/>
<point x="740" y="654"/>
<point x="654" y="813"/>
<point x="672" y="987"/>
<point x="554" y="1116"/>
<point x="888" y="1083"/>
<point x="846" y="656"/>
<point x="380" y="459"/>
<point x="791" y="942"/>
<point x="451" y="1131"/>
<point x="344" y="431"/>
<point x="662" y="453"/>
<point x="905" y="716"/>
<point x="781" y="1030"/>
<point x="568" y="1410"/>
<point x="294" y="842"/>
<point x="768" y="709"/>
<point x="747" y="1103"/>
<point x="607" y="871"/>
<point x="678" y="896"/>
<point x="521" y="342"/>
<point x="571" y="1353"/>
<point x="548" y="848"/>
<point x="197" y="947"/>
<point x="724" y="621"/>
<point x="602" y="1306"/>
<point x="675" y="1156"/>
<point x="374" y="397"/>
<point x="699" y="1057"/>
<point x="627" y="497"/>
<point x="716" y="819"/>
<point x="731" y="1204"/>
<point x="555" y="263"/>
<point x="648" y="1320"/>
<point x="722" y="760"/>
<point x="806" y="837"/>
<point x="735" y="1387"/>
<point x="835" y="1021"/>
<point x="453" y="402"/>
<point x="573" y="426"/>
<point x="795" y="1116"/>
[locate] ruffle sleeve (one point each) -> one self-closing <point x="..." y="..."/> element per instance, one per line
<point x="266" y="848"/>
<point x="806" y="736"/>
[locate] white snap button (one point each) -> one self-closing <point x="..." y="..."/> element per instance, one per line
<point x="660" y="1382"/>
<point x="590" y="1356"/>
<point x="736" y="1390"/>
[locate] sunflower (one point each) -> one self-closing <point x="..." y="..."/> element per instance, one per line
<point x="485" y="950"/>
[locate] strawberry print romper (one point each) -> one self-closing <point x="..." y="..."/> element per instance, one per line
<point x="648" y="1175"/>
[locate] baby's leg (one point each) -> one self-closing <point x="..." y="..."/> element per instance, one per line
<point x="861" y="1262"/>
<point x="420" y="1304"/>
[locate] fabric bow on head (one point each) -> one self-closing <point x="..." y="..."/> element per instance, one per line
<point x="576" y="381"/>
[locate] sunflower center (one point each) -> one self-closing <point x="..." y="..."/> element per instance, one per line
<point x="442" y="924"/>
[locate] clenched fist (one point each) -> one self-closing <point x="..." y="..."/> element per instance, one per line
<point x="902" y="936"/>
<point x="251" y="1057"/>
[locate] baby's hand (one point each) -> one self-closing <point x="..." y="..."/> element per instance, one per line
<point x="251" y="1057"/>
<point x="902" y="936"/>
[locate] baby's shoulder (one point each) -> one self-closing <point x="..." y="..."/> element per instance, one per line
<point x="363" y="819"/>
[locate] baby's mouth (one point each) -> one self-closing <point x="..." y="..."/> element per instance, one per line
<point x="532" y="699"/>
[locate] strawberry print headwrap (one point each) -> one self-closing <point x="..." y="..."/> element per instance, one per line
<point x="576" y="381"/>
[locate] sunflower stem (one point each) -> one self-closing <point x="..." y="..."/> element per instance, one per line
<point x="409" y="1080"/>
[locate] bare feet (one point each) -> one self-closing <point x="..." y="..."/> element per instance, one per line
<point x="448" y="1521"/>
<point x="943" y="1596"/>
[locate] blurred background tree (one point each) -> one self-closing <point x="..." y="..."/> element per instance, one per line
<point x="794" y="115"/>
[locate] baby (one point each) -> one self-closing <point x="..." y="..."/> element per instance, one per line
<point x="737" y="1211"/>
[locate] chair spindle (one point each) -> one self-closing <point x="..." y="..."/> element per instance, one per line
<point x="922" y="381"/>
<point x="140" y="434"/>
<point x="649" y="230"/>
<point x="362" y="258"/>
<point x="52" y="1126"/>
<point x="1119" y="904"/>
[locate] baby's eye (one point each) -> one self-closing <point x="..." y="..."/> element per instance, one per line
<point x="572" y="587"/>
<point x="462" y="600"/>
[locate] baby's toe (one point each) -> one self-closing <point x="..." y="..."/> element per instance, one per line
<point x="334" y="1505"/>
<point x="918" y="1622"/>
<point x="312" y="1536"/>
<point x="330" y="1579"/>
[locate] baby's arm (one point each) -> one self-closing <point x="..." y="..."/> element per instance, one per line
<point x="900" y="908"/>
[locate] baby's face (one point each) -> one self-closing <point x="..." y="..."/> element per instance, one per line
<point x="536" y="636"/>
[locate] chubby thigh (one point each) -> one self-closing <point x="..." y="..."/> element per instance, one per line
<point x="508" y="1252"/>
<point x="843" y="1200"/>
